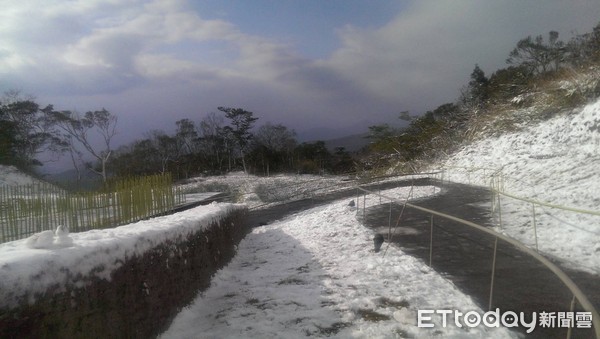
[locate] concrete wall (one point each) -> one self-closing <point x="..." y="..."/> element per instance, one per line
<point x="141" y="299"/>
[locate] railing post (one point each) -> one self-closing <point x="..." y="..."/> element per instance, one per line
<point x="390" y="223"/>
<point x="534" y="227"/>
<point x="492" y="199"/>
<point x="500" y="210"/>
<point x="431" y="242"/>
<point x="493" y="274"/>
<point x="357" y="199"/>
<point x="571" y="310"/>
<point x="365" y="208"/>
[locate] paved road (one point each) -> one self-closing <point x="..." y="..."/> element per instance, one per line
<point x="267" y="215"/>
<point x="464" y="256"/>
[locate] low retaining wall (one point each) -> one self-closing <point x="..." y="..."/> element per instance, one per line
<point x="142" y="297"/>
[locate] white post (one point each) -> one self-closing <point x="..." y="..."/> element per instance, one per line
<point x="431" y="242"/>
<point x="534" y="227"/>
<point x="493" y="273"/>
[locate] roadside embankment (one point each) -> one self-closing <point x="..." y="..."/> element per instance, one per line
<point x="129" y="281"/>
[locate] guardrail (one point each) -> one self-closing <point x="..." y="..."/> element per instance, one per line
<point x="347" y="185"/>
<point x="578" y="295"/>
<point x="496" y="180"/>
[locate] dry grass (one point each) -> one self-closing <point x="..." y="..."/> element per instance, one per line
<point x="550" y="96"/>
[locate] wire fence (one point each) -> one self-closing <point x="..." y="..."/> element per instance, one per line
<point x="26" y="210"/>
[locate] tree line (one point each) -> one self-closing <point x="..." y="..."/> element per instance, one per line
<point x="220" y="142"/>
<point x="28" y="130"/>
<point x="228" y="140"/>
<point x="533" y="61"/>
<point x="223" y="142"/>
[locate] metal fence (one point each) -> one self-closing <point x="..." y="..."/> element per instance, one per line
<point x="578" y="295"/>
<point x="537" y="211"/>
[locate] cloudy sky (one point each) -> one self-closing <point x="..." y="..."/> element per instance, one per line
<point x="322" y="67"/>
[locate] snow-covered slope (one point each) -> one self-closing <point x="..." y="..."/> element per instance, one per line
<point x="556" y="161"/>
<point x="11" y="176"/>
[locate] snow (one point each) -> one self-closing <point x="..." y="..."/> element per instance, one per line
<point x="260" y="192"/>
<point x="50" y="239"/>
<point x="312" y="273"/>
<point x="195" y="197"/>
<point x="315" y="273"/>
<point x="557" y="162"/>
<point x="49" y="258"/>
<point x="11" y="176"/>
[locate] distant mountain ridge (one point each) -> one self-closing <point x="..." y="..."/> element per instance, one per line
<point x="351" y="143"/>
<point x="68" y="180"/>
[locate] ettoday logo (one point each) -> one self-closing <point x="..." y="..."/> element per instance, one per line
<point x="508" y="319"/>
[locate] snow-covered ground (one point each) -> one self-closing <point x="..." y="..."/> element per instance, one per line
<point x="315" y="273"/>
<point x="11" y="176"/>
<point x="258" y="191"/>
<point x="556" y="161"/>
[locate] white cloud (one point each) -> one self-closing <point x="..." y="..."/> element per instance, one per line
<point x="133" y="55"/>
<point x="118" y="42"/>
<point x="427" y="51"/>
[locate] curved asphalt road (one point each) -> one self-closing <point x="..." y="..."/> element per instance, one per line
<point x="464" y="256"/>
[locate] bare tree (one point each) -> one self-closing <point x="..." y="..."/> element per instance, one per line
<point x="165" y="147"/>
<point x="211" y="139"/>
<point x="537" y="56"/>
<point x="77" y="128"/>
<point x="274" y="143"/>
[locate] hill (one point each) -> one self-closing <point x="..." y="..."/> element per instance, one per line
<point x="11" y="176"/>
<point x="352" y="143"/>
<point x="68" y="180"/>
<point x="555" y="161"/>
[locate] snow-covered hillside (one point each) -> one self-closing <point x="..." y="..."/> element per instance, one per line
<point x="556" y="161"/>
<point x="11" y="176"/>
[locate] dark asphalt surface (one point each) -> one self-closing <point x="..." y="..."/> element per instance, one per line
<point x="267" y="215"/>
<point x="464" y="256"/>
